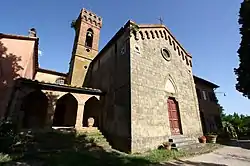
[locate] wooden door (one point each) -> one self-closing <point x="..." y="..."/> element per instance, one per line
<point x="174" y="118"/>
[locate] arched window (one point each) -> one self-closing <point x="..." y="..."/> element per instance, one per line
<point x="89" y="38"/>
<point x="60" y="81"/>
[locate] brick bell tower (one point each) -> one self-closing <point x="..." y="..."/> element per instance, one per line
<point x="87" y="32"/>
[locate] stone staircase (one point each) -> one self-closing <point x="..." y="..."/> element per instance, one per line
<point x="180" y="142"/>
<point x="93" y="134"/>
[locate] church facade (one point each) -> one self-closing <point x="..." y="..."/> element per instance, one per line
<point x="148" y="78"/>
<point x="139" y="88"/>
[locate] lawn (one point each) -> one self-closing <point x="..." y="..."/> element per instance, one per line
<point x="71" y="148"/>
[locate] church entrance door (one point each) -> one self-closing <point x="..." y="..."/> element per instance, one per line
<point x="174" y="117"/>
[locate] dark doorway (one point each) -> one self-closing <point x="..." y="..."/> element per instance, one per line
<point x="174" y="117"/>
<point x="66" y="111"/>
<point x="35" y="107"/>
<point x="203" y="122"/>
<point x="91" y="109"/>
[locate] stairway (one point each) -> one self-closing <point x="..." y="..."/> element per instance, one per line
<point x="93" y="134"/>
<point x="180" y="142"/>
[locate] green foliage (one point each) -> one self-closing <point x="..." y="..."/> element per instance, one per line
<point x="243" y="71"/>
<point x="236" y="125"/>
<point x="73" y="24"/>
<point x="4" y="158"/>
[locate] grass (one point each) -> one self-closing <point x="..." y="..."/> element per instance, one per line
<point x="156" y="156"/>
<point x="60" y="148"/>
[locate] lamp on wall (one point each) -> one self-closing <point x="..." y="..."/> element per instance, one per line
<point x="224" y="94"/>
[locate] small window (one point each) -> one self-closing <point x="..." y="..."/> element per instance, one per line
<point x="204" y="95"/>
<point x="60" y="81"/>
<point x="89" y="38"/>
<point x="166" y="54"/>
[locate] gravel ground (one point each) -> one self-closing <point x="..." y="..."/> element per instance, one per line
<point x="225" y="156"/>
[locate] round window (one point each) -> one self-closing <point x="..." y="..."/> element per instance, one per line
<point x="165" y="53"/>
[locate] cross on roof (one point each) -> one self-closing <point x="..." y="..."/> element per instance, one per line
<point x="161" y="20"/>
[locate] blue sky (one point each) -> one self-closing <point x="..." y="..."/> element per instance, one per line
<point x="207" y="29"/>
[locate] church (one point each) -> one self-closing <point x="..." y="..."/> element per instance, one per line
<point x="139" y="90"/>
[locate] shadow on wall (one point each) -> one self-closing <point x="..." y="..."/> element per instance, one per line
<point x="9" y="69"/>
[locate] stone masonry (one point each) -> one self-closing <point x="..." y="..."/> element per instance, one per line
<point x="149" y="74"/>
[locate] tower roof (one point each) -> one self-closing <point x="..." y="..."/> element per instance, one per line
<point x="91" y="18"/>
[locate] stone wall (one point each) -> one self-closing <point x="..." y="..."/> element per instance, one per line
<point x="47" y="77"/>
<point x="109" y="72"/>
<point x="149" y="74"/>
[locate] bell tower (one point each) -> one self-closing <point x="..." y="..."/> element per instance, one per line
<point x="87" y="32"/>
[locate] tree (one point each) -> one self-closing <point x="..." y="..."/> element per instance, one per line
<point x="243" y="71"/>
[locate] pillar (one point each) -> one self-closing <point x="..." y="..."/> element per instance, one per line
<point x="79" y="116"/>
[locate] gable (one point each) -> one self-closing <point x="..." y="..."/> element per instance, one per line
<point x="152" y="32"/>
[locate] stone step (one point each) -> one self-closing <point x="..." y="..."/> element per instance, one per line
<point x="95" y="134"/>
<point x="179" y="138"/>
<point x="189" y="147"/>
<point x="183" y="143"/>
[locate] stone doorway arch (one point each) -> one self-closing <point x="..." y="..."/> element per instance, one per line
<point x="34" y="106"/>
<point x="91" y="109"/>
<point x="66" y="111"/>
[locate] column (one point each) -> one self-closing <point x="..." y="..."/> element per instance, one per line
<point x="79" y="116"/>
<point x="52" y="99"/>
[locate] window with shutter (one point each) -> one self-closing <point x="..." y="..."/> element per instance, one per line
<point x="204" y="95"/>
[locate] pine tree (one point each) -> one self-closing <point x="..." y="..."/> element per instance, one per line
<point x="243" y="71"/>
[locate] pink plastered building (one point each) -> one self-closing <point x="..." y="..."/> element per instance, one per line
<point x="18" y="58"/>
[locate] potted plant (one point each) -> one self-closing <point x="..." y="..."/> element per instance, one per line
<point x="167" y="145"/>
<point x="211" y="137"/>
<point x="202" y="139"/>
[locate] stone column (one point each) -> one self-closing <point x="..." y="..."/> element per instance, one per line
<point x="79" y="116"/>
<point x="52" y="99"/>
<point x="50" y="114"/>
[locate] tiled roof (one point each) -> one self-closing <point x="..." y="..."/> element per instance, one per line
<point x="201" y="80"/>
<point x="58" y="87"/>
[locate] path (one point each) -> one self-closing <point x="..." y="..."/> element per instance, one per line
<point x="226" y="156"/>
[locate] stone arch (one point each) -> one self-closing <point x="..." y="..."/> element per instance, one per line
<point x="174" y="45"/>
<point x="178" y="49"/>
<point x="187" y="63"/>
<point x="170" y="86"/>
<point x="90" y="20"/>
<point x="182" y="55"/>
<point x="161" y="33"/>
<point x="89" y="38"/>
<point x="152" y="34"/>
<point x="147" y="34"/>
<point x="141" y="34"/>
<point x="156" y="33"/>
<point x="170" y="42"/>
<point x="66" y="111"/>
<point x="135" y="33"/>
<point x="91" y="109"/>
<point x="34" y="107"/>
<point x="95" y="23"/>
<point x="165" y="35"/>
<point x="190" y="63"/>
<point x="85" y="18"/>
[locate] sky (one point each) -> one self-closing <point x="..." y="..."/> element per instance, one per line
<point x="208" y="30"/>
